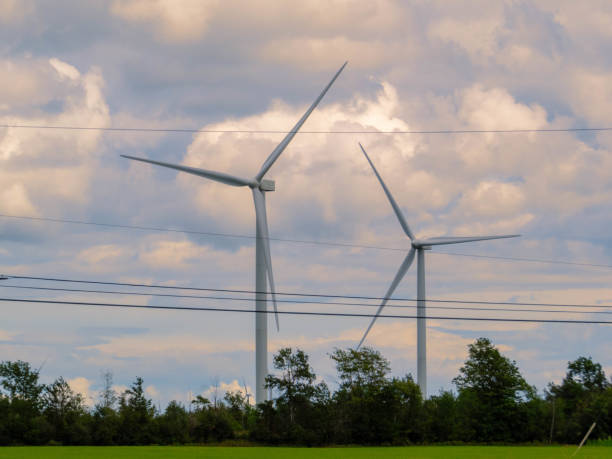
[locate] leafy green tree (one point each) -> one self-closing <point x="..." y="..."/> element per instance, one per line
<point x="297" y="396"/>
<point x="239" y="408"/>
<point x="363" y="367"/>
<point x="581" y="399"/>
<point x="212" y="421"/>
<point x="295" y="384"/>
<point x="440" y="418"/>
<point x="367" y="401"/>
<point x="173" y="424"/>
<point x="105" y="426"/>
<point x="136" y="413"/>
<point x="20" y="381"/>
<point x="587" y="373"/>
<point x="66" y="412"/>
<point x="105" y="420"/>
<point x="213" y="424"/>
<point x="108" y="397"/>
<point x="491" y="389"/>
<point x="268" y="427"/>
<point x="399" y="408"/>
<point x="20" y="416"/>
<point x="201" y="402"/>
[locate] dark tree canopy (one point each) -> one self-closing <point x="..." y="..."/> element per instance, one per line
<point x="491" y="391"/>
<point x="587" y="373"/>
<point x="297" y="377"/>
<point x="489" y="373"/>
<point x="362" y="367"/>
<point x="19" y="380"/>
<point x="367" y="406"/>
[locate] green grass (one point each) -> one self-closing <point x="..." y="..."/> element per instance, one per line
<point x="603" y="442"/>
<point x="211" y="452"/>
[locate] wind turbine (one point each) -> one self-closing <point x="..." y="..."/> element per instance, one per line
<point x="263" y="261"/>
<point x="418" y="247"/>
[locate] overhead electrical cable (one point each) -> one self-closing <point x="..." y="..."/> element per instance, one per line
<point x="278" y="131"/>
<point x="300" y="313"/>
<point x="528" y="260"/>
<point x="296" y="241"/>
<point x="298" y="294"/>
<point x="314" y="303"/>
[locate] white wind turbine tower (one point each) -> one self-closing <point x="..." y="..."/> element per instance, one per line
<point x="418" y="247"/>
<point x="263" y="262"/>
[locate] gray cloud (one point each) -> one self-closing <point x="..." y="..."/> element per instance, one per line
<point x="417" y="66"/>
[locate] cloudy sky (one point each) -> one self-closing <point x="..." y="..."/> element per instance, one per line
<point x="213" y="65"/>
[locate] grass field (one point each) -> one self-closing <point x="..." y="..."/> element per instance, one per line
<point x="417" y="452"/>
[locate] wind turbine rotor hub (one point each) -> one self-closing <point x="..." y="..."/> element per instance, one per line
<point x="420" y="245"/>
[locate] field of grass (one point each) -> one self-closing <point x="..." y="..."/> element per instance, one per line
<point x="210" y="452"/>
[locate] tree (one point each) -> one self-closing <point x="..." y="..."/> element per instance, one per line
<point x="108" y="397"/>
<point x="586" y="373"/>
<point x="295" y="383"/>
<point x="582" y="398"/>
<point x="238" y="407"/>
<point x="65" y="411"/>
<point x="489" y="373"/>
<point x="360" y="367"/>
<point x="136" y="413"/>
<point x="212" y="422"/>
<point x="440" y="417"/>
<point x="105" y="420"/>
<point x="19" y="380"/>
<point x="491" y="388"/>
<point x="20" y="414"/>
<point x="173" y="425"/>
<point x="365" y="397"/>
<point x="297" y="397"/>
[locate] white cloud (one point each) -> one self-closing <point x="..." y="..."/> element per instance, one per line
<point x="6" y="335"/>
<point x="51" y="165"/>
<point x="152" y="392"/>
<point x="25" y="82"/>
<point x="178" y="22"/>
<point x="14" y="200"/>
<point x="101" y="257"/>
<point x="481" y="65"/>
<point x="478" y="36"/>
<point x="65" y="70"/>
<point x="497" y="109"/>
<point x="494" y="199"/>
<point x="14" y="11"/>
<point x="218" y="390"/>
<point x="82" y="385"/>
<point x="324" y="53"/>
<point x="176" y="254"/>
<point x="176" y="347"/>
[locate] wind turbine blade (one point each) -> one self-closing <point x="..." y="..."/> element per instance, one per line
<point x="281" y="146"/>
<point x="262" y="223"/>
<point x="459" y="240"/>
<point x="396" y="209"/>
<point x="398" y="277"/>
<point x="212" y="175"/>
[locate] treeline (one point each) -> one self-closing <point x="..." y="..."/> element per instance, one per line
<point x="492" y="404"/>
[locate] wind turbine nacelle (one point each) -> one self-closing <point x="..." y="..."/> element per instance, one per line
<point x="267" y="185"/>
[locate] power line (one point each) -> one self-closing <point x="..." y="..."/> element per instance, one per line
<point x="528" y="260"/>
<point x="275" y="131"/>
<point x="315" y="295"/>
<point x="199" y="233"/>
<point x="301" y="313"/>
<point x="314" y="303"/>
<point x="295" y="241"/>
